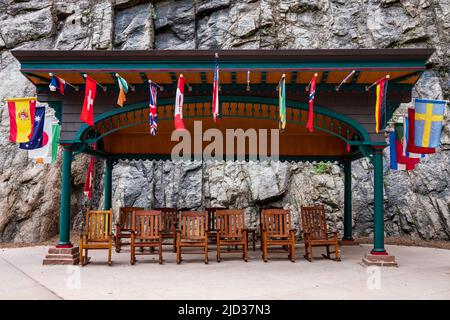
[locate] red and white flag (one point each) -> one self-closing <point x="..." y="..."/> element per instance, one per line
<point x="179" y="124"/>
<point x="312" y="93"/>
<point x="87" y="113"/>
<point x="89" y="183"/>
<point x="215" y="100"/>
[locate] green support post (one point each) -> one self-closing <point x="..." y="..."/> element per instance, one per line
<point x="348" y="231"/>
<point x="378" y="226"/>
<point x="64" y="216"/>
<point x="108" y="185"/>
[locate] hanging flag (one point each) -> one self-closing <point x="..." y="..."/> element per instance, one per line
<point x="312" y="93"/>
<point x="57" y="82"/>
<point x="21" y="118"/>
<point x="153" y="116"/>
<point x="407" y="141"/>
<point x="123" y="89"/>
<point x="411" y="147"/>
<point x="429" y="117"/>
<point x="44" y="153"/>
<point x="282" y="102"/>
<point x="179" y="124"/>
<point x="87" y="113"/>
<point x="56" y="131"/>
<point x="215" y="100"/>
<point x="89" y="182"/>
<point x="394" y="165"/>
<point x="410" y="163"/>
<point x="380" y="104"/>
<point x="37" y="136"/>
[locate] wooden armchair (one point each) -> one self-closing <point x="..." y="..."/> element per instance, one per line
<point x="123" y="226"/>
<point x="97" y="234"/>
<point x="192" y="232"/>
<point x="231" y="231"/>
<point x="276" y="231"/>
<point x="315" y="232"/>
<point x="169" y="220"/>
<point x="146" y="231"/>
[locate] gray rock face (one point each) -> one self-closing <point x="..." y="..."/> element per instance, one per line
<point x="417" y="203"/>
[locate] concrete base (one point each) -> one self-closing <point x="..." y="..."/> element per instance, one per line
<point x="349" y="242"/>
<point x="58" y="256"/>
<point x="379" y="260"/>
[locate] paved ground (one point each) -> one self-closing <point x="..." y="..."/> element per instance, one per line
<point x="423" y="273"/>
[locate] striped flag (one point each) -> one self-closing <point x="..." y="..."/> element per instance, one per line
<point x="153" y="116"/>
<point x="312" y="93"/>
<point x="407" y="139"/>
<point x="179" y="124"/>
<point x="37" y="138"/>
<point x="21" y="118"/>
<point x="396" y="146"/>
<point x="282" y="102"/>
<point x="215" y="100"/>
<point x="44" y="153"/>
<point x="123" y="89"/>
<point x="380" y="104"/>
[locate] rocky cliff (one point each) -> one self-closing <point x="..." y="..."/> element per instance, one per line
<point x="417" y="203"/>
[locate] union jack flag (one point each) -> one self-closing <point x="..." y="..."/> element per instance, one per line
<point x="153" y="116"/>
<point x="215" y="101"/>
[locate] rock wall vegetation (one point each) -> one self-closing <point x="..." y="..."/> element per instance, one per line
<point x="417" y="203"/>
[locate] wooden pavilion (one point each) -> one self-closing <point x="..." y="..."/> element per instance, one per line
<point x="344" y="112"/>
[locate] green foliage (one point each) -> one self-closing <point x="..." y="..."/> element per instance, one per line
<point x="321" y="168"/>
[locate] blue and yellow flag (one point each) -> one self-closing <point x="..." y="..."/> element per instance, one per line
<point x="429" y="117"/>
<point x="282" y="104"/>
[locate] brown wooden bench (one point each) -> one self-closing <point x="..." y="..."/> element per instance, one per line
<point x="231" y="230"/>
<point x="123" y="226"/>
<point x="146" y="232"/>
<point x="97" y="234"/>
<point x="276" y="231"/>
<point x="192" y="232"/>
<point x="315" y="232"/>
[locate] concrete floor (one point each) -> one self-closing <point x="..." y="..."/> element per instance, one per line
<point x="423" y="273"/>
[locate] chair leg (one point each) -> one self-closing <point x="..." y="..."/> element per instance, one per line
<point x="109" y="255"/>
<point x="81" y="254"/>
<point x="174" y="242"/>
<point x="308" y="251"/>
<point x="292" y="248"/>
<point x="337" y="253"/>
<point x="218" y="250"/>
<point x="206" y="251"/>
<point x="160" y="253"/>
<point x="245" y="249"/>
<point x="178" y="254"/>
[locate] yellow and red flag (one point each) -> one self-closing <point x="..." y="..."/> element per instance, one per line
<point x="380" y="105"/>
<point x="21" y="118"/>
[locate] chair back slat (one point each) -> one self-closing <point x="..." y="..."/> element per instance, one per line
<point x="169" y="219"/>
<point x="212" y="213"/>
<point x="98" y="225"/>
<point x="230" y="223"/>
<point x="147" y="224"/>
<point x="277" y="222"/>
<point x="314" y="222"/>
<point x="125" y="216"/>
<point x="193" y="225"/>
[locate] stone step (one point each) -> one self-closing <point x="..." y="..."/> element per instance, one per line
<point x="54" y="250"/>
<point x="58" y="261"/>
<point x="62" y="256"/>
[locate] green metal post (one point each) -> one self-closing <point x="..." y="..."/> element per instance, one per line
<point x="348" y="231"/>
<point x="378" y="226"/>
<point x="64" y="215"/>
<point x="108" y="185"/>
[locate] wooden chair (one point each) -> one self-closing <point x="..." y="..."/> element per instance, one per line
<point x="97" y="234"/>
<point x="276" y="231"/>
<point x="192" y="232"/>
<point x="169" y="218"/>
<point x="123" y="226"/>
<point x="231" y="231"/>
<point x="146" y="231"/>
<point x="315" y="232"/>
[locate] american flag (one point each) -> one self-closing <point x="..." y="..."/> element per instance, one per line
<point x="215" y="101"/>
<point x="153" y="109"/>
